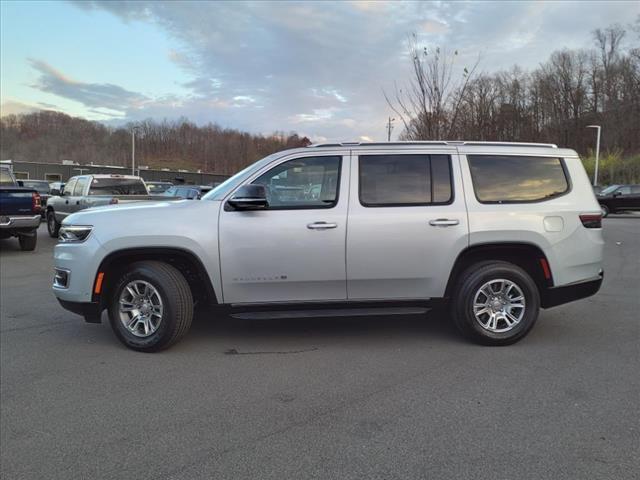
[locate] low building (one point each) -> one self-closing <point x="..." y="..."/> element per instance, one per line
<point x="58" y="172"/>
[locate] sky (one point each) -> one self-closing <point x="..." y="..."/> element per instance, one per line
<point x="316" y="68"/>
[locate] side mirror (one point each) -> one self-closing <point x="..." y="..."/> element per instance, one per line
<point x="20" y="183"/>
<point x="249" y="197"/>
<point x="617" y="194"/>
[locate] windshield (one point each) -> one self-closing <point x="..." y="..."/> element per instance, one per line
<point x="609" y="190"/>
<point x="158" y="187"/>
<point x="5" y="177"/>
<point x="219" y="192"/>
<point x="40" y="186"/>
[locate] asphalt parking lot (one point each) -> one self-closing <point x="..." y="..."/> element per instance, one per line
<point x="387" y="398"/>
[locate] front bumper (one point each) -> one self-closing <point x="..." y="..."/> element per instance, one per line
<point x="19" y="222"/>
<point x="81" y="262"/>
<point x="91" y="311"/>
<point x="555" y="296"/>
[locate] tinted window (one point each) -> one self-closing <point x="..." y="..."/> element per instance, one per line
<point x="635" y="189"/>
<point x="117" y="186"/>
<point x="387" y="180"/>
<point x="80" y="184"/>
<point x="624" y="191"/>
<point x="505" y="179"/>
<point x="310" y="182"/>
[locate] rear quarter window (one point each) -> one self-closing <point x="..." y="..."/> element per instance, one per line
<point x="517" y="179"/>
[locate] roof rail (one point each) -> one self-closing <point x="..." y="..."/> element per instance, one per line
<point x="435" y="142"/>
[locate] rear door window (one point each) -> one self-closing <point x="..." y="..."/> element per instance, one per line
<point x="69" y="186"/>
<point x="79" y="188"/>
<point x="404" y="180"/>
<point x="517" y="179"/>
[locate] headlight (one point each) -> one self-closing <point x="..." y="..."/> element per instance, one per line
<point x="74" y="233"/>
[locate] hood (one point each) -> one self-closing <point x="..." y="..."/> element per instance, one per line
<point x="156" y="214"/>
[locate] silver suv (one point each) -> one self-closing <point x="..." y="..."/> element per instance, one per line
<point x="495" y="231"/>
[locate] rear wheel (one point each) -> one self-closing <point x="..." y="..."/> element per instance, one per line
<point x="151" y="306"/>
<point x="605" y="210"/>
<point x="28" y="242"/>
<point x="495" y="303"/>
<point x="52" y="224"/>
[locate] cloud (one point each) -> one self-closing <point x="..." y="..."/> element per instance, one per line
<point x="12" y="107"/>
<point x="321" y="66"/>
<point x="92" y="95"/>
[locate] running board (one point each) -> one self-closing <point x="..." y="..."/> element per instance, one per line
<point x="342" y="312"/>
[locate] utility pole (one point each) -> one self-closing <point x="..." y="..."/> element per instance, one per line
<point x="389" y="128"/>
<point x="595" y="175"/>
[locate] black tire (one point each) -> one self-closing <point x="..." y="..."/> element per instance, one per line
<point x="52" y="224"/>
<point x="605" y="211"/>
<point x="28" y="242"/>
<point x="470" y="282"/>
<point x="177" y="302"/>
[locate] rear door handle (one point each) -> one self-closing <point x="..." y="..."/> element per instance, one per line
<point x="443" y="222"/>
<point x="321" y="226"/>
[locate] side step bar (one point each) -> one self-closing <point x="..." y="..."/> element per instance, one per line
<point x="335" y="312"/>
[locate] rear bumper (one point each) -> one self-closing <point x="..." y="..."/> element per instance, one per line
<point x="91" y="311"/>
<point x="15" y="222"/>
<point x="568" y="293"/>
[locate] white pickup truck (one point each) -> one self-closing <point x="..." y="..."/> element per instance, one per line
<point x="88" y="191"/>
<point x="494" y="230"/>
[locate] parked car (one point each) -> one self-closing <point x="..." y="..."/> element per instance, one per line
<point x="495" y="231"/>
<point x="188" y="192"/>
<point x="619" y="198"/>
<point x="43" y="188"/>
<point x="87" y="191"/>
<point x="19" y="210"/>
<point x="157" y="188"/>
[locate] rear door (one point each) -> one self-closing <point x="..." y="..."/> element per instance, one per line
<point x="634" y="200"/>
<point x="79" y="191"/>
<point x="407" y="223"/>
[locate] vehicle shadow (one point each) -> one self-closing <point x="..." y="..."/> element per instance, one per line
<point x="270" y="333"/>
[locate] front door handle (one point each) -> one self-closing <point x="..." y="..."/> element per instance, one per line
<point x="321" y="226"/>
<point x="443" y="222"/>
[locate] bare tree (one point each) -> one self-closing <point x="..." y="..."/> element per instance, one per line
<point x="429" y="105"/>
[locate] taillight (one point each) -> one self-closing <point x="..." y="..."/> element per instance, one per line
<point x="35" y="202"/>
<point x="591" y="220"/>
<point x="113" y="201"/>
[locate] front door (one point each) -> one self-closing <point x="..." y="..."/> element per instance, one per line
<point x="295" y="249"/>
<point x="407" y="224"/>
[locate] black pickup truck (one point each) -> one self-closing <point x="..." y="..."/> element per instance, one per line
<point x="19" y="210"/>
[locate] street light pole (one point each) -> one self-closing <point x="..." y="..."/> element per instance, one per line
<point x="133" y="151"/>
<point x="595" y="175"/>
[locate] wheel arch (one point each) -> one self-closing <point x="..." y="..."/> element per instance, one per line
<point x="527" y="256"/>
<point x="187" y="262"/>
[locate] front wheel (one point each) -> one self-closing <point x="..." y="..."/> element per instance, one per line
<point x="52" y="224"/>
<point x="151" y="306"/>
<point x="495" y="303"/>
